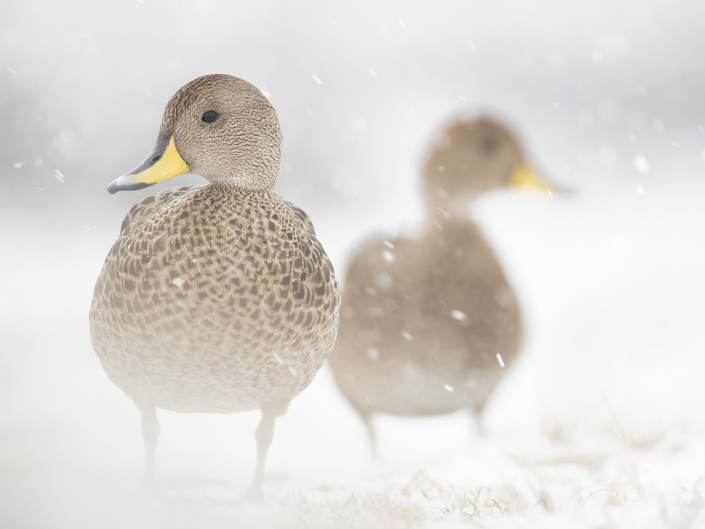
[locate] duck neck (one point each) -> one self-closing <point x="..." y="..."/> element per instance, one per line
<point x="243" y="184"/>
<point x="451" y="211"/>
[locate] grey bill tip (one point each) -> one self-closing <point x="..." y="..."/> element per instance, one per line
<point x="114" y="187"/>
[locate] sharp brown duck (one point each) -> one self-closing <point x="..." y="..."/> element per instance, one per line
<point x="430" y="325"/>
<point x="215" y="298"/>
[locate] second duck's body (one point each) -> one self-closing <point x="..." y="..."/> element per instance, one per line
<point x="424" y="324"/>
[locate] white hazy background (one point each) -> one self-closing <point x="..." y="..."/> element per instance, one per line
<point x="600" y="424"/>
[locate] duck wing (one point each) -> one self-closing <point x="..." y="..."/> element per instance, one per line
<point x="301" y="215"/>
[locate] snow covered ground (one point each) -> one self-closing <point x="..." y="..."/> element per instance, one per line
<point x="601" y="422"/>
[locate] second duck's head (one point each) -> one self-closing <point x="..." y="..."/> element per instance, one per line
<point x="217" y="126"/>
<point x="470" y="157"/>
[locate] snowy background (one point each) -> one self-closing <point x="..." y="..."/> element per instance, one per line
<point x="601" y="423"/>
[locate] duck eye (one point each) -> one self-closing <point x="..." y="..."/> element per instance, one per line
<point x="209" y="116"/>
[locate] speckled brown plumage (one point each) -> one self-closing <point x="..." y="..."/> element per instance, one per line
<point x="214" y="301"/>
<point x="423" y="320"/>
<point x="216" y="298"/>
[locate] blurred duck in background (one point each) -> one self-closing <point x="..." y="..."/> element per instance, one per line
<point x="215" y="298"/>
<point x="430" y="325"/>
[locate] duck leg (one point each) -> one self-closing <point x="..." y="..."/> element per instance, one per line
<point x="150" y="434"/>
<point x="478" y="423"/>
<point x="371" y="434"/>
<point x="263" y="436"/>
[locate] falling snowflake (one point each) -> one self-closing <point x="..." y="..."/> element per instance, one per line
<point x="641" y="163"/>
<point x="458" y="315"/>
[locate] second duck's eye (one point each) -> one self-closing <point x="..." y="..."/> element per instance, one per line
<point x="209" y="116"/>
<point x="489" y="146"/>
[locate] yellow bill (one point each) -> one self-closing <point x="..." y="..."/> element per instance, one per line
<point x="163" y="162"/>
<point x="523" y="176"/>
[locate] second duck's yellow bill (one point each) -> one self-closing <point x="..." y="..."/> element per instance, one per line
<point x="523" y="176"/>
<point x="163" y="162"/>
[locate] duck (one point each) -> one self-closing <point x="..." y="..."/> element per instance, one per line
<point x="430" y="325"/>
<point x="215" y="298"/>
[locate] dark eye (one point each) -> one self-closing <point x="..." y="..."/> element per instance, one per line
<point x="489" y="146"/>
<point x="209" y="116"/>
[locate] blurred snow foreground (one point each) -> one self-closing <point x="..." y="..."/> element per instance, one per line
<point x="563" y="484"/>
<point x="572" y="478"/>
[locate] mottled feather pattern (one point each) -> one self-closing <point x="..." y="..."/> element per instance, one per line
<point x="147" y="207"/>
<point x="214" y="299"/>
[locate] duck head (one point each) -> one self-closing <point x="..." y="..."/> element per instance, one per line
<point x="471" y="157"/>
<point x="217" y="126"/>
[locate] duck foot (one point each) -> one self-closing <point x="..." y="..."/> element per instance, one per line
<point x="253" y="495"/>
